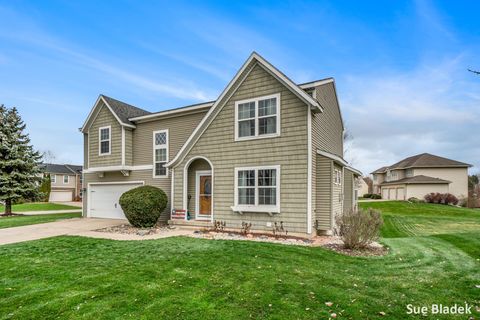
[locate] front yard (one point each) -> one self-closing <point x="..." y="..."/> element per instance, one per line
<point x="435" y="258"/>
<point x="38" y="206"/>
<point x="17" y="221"/>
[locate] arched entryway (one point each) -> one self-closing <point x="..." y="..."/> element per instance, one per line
<point x="198" y="189"/>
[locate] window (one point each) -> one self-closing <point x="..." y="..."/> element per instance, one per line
<point x="409" y="172"/>
<point x="257" y="189"/>
<point x="257" y="118"/>
<point x="66" y="179"/>
<point x="160" y="153"/>
<point x="104" y="138"/>
<point x="53" y="178"/>
<point x="337" y="177"/>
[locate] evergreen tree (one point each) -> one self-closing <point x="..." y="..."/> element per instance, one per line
<point x="20" y="170"/>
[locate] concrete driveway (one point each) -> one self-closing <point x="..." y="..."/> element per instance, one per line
<point x="76" y="226"/>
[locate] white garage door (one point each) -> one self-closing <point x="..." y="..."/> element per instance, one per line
<point x="60" y="196"/>
<point x="400" y="194"/>
<point x="385" y="193"/>
<point x="103" y="200"/>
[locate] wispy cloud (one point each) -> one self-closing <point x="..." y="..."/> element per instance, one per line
<point x="427" y="110"/>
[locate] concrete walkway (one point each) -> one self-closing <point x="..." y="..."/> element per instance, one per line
<point x="32" y="213"/>
<point x="78" y="227"/>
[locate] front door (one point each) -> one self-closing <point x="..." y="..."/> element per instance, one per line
<point x="204" y="195"/>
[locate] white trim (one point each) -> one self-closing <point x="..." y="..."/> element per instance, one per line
<point x="123" y="146"/>
<point x="185" y="184"/>
<point x="167" y="150"/>
<point x="333" y="157"/>
<point x="68" y="179"/>
<point x="88" y="149"/>
<point x="54" y="180"/>
<point x="89" y="198"/>
<point x="256" y="118"/>
<point x="118" y="168"/>
<point x="172" y="190"/>
<point x="309" y="173"/>
<point x="174" y="111"/>
<point x="257" y="208"/>
<point x="100" y="98"/>
<point x="358" y="172"/>
<point x="203" y="125"/>
<point x="109" y="141"/>
<point x="313" y="84"/>
<point x="198" y="174"/>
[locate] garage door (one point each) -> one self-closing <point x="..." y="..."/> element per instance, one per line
<point x="60" y="196"/>
<point x="385" y="193"/>
<point x="103" y="200"/>
<point x="400" y="194"/>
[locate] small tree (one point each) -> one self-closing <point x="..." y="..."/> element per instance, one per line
<point x="45" y="188"/>
<point x="20" y="172"/>
<point x="359" y="228"/>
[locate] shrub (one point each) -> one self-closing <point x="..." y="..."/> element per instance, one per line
<point x="367" y="195"/>
<point x="441" y="198"/>
<point x="358" y="229"/>
<point x="414" y="200"/>
<point x="45" y="188"/>
<point x="376" y="196"/>
<point x="143" y="205"/>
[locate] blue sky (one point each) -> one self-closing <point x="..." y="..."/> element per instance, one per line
<point x="400" y="67"/>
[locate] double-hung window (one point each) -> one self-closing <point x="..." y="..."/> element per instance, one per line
<point x="104" y="136"/>
<point x="66" y="179"/>
<point x="160" y="153"/>
<point x="53" y="178"/>
<point x="337" y="177"/>
<point x="257" y="118"/>
<point x="257" y="189"/>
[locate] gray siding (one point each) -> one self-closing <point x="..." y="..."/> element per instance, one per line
<point x="323" y="194"/>
<point x="289" y="151"/>
<point x="85" y="151"/>
<point x="105" y="118"/>
<point x="348" y="190"/>
<point x="128" y="147"/>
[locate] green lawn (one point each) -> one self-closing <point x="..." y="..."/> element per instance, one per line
<point x="38" y="206"/>
<point x="16" y="221"/>
<point x="184" y="278"/>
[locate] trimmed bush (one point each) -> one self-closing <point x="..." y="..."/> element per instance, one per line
<point x="375" y="196"/>
<point x="441" y="198"/>
<point x="358" y="229"/>
<point x="143" y="205"/>
<point x="367" y="195"/>
<point x="415" y="200"/>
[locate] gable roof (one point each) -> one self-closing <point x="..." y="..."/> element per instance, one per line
<point x="254" y="58"/>
<point x="420" y="179"/>
<point x="121" y="111"/>
<point x="424" y="160"/>
<point x="61" y="168"/>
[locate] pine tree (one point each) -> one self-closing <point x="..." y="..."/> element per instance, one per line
<point x="20" y="170"/>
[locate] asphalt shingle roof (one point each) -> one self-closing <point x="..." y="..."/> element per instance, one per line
<point x="62" y="168"/>
<point x="424" y="160"/>
<point x="420" y="179"/>
<point x="123" y="110"/>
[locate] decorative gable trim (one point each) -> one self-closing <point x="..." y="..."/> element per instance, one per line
<point x="252" y="61"/>
<point x="93" y="113"/>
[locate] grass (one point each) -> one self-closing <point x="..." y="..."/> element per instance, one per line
<point x="38" y="206"/>
<point x="17" y="221"/>
<point x="184" y="278"/>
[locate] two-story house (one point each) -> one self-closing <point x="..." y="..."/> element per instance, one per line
<point x="66" y="182"/>
<point x="419" y="175"/>
<point x="267" y="150"/>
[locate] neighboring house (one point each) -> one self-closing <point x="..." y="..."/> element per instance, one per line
<point x="267" y="150"/>
<point x="362" y="186"/>
<point x="66" y="182"/>
<point x="419" y="175"/>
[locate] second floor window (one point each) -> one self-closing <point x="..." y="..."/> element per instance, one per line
<point x="65" y="179"/>
<point x="53" y="178"/>
<point x="257" y="118"/>
<point x="104" y="137"/>
<point x="160" y="153"/>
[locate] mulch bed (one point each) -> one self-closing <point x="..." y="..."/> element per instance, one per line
<point x="129" y="229"/>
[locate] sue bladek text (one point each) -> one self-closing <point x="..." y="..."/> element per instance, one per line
<point x="439" y="309"/>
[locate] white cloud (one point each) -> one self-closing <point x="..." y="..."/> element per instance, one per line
<point x="434" y="108"/>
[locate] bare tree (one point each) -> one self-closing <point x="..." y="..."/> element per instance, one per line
<point x="48" y="156"/>
<point x="347" y="149"/>
<point x="474" y="71"/>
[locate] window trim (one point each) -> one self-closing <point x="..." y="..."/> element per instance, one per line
<point x="257" y="207"/>
<point x="53" y="178"/>
<point x="109" y="141"/>
<point x="68" y="179"/>
<point x="337" y="179"/>
<point x="155" y="147"/>
<point x="256" y="100"/>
